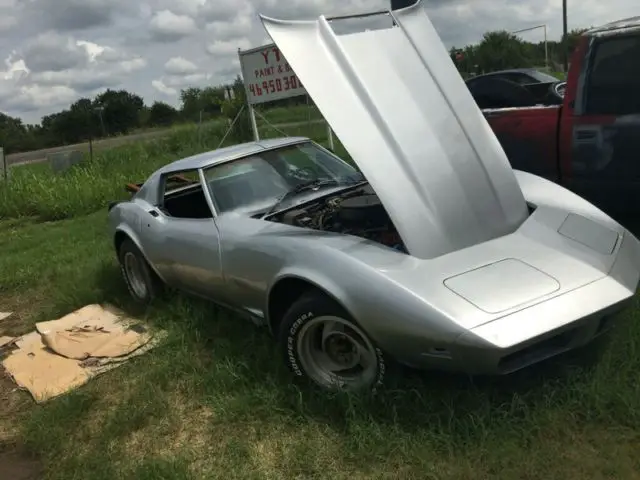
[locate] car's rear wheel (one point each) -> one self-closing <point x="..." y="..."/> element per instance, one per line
<point x="322" y="343"/>
<point x="142" y="282"/>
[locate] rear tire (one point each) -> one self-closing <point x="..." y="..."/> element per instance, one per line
<point x="321" y="343"/>
<point x="142" y="282"/>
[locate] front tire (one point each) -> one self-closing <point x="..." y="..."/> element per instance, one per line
<point x="142" y="282"/>
<point x="320" y="342"/>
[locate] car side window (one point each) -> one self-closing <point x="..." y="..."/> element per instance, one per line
<point x="519" y="78"/>
<point x="183" y="197"/>
<point x="612" y="86"/>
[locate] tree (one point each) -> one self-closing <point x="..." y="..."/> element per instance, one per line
<point x="13" y="133"/>
<point x="190" y="99"/>
<point x="573" y="37"/>
<point x="120" y="110"/>
<point x="202" y="103"/>
<point x="162" y="114"/>
<point x="501" y="50"/>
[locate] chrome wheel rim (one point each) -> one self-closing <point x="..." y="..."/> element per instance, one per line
<point x="335" y="353"/>
<point x="133" y="271"/>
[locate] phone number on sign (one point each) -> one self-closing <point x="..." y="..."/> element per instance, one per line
<point x="276" y="85"/>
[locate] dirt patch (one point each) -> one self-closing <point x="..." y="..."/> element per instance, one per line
<point x="13" y="403"/>
<point x="24" y="307"/>
<point x="16" y="466"/>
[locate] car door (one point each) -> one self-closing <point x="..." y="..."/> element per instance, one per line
<point x="602" y="131"/>
<point x="528" y="136"/>
<point x="193" y="251"/>
<point x="188" y="249"/>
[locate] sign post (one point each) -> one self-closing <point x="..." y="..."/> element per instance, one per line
<point x="254" y="124"/>
<point x="267" y="77"/>
<point x="330" y="135"/>
<point x="4" y="167"/>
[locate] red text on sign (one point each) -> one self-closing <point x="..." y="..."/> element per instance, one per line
<point x="266" y="54"/>
<point x="283" y="84"/>
<point x="269" y="71"/>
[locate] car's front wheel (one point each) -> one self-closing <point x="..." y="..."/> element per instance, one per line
<point x="322" y="343"/>
<point x="142" y="282"/>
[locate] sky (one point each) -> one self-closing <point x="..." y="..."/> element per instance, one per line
<point x="56" y="51"/>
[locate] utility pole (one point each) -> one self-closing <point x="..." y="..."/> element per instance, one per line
<point x="100" y="109"/>
<point x="565" y="40"/>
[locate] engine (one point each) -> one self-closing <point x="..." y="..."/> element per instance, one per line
<point x="358" y="213"/>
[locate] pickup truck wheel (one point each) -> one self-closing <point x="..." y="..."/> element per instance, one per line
<point x="142" y="282"/>
<point x="322" y="343"/>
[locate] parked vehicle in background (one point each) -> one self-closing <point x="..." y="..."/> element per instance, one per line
<point x="521" y="76"/>
<point x="516" y="88"/>
<point x="587" y="139"/>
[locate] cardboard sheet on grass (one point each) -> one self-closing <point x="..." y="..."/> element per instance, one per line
<point x="63" y="354"/>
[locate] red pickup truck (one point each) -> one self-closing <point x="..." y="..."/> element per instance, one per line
<point x="584" y="135"/>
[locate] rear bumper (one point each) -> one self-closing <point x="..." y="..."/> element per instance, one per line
<point x="549" y="328"/>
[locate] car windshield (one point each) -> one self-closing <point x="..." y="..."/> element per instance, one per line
<point x="260" y="180"/>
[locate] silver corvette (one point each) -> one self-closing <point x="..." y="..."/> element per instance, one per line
<point x="433" y="252"/>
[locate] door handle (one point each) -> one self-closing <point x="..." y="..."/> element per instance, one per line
<point x="153" y="213"/>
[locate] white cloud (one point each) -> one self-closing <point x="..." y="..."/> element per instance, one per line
<point x="162" y="88"/>
<point x="166" y="26"/>
<point x="179" y="66"/>
<point x="180" y="73"/>
<point x="74" y="15"/>
<point x="51" y="51"/>
<point x="221" y="10"/>
<point x="226" y="48"/>
<point x="7" y="22"/>
<point x="52" y="70"/>
<point x="59" y="50"/>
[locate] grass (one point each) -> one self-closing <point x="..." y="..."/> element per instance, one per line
<point x="215" y="401"/>
<point x="299" y="113"/>
<point x="35" y="191"/>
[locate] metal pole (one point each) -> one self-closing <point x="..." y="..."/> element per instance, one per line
<point x="254" y="124"/>
<point x="565" y="42"/>
<point x="5" y="167"/>
<point x="90" y="122"/>
<point x="330" y="135"/>
<point x="546" y="49"/>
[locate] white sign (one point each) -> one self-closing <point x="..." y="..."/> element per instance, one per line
<point x="267" y="75"/>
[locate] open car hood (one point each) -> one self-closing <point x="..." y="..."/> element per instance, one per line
<point x="401" y="109"/>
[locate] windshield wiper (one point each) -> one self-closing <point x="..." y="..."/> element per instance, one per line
<point x="310" y="185"/>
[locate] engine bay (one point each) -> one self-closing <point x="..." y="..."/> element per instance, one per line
<point x="358" y="212"/>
